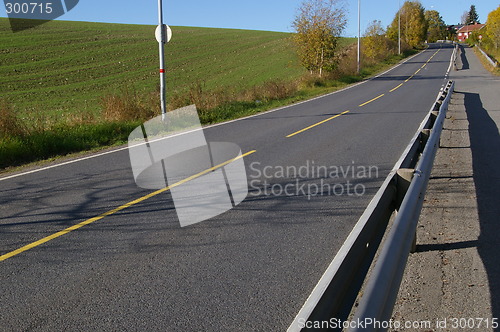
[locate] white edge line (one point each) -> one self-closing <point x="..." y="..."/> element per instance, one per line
<point x="337" y="261"/>
<point x="95" y="155"/>
<point x="207" y="127"/>
<point x="451" y="60"/>
<point x="61" y="164"/>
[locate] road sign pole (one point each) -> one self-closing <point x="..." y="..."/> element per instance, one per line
<point x="162" y="61"/>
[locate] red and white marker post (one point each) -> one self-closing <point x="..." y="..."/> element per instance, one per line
<point x="163" y="36"/>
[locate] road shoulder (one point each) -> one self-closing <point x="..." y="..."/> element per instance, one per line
<point x="446" y="278"/>
<point x="453" y="277"/>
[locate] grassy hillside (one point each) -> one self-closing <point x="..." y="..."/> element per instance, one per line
<point x="61" y="67"/>
<point x="73" y="86"/>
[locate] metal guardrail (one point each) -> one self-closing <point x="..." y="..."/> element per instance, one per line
<point x="334" y="296"/>
<point x="454" y="57"/>
<point x="381" y="291"/>
<point x="490" y="60"/>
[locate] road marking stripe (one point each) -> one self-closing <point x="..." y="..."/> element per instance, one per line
<point x="209" y="170"/>
<point x="118" y="209"/>
<point x="316" y="124"/>
<point x="434" y="54"/>
<point x="409" y="78"/>
<point x="369" y="101"/>
<point x="397" y="87"/>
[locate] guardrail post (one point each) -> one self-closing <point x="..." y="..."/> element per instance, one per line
<point x="403" y="181"/>
<point x="413" y="248"/>
<point x="424" y="137"/>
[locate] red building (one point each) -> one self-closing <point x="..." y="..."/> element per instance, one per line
<point x="464" y="32"/>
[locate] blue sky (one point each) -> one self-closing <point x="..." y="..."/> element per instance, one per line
<point x="273" y="15"/>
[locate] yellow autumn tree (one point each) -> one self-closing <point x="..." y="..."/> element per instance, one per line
<point x="318" y="26"/>
<point x="436" y="26"/>
<point x="493" y="27"/>
<point x="413" y="24"/>
<point x="375" y="43"/>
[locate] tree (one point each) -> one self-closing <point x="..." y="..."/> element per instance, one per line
<point x="493" y="27"/>
<point x="375" y="42"/>
<point x="465" y="18"/>
<point x="318" y="26"/>
<point x="451" y="33"/>
<point x="436" y="26"/>
<point x="472" y="16"/>
<point x="413" y="24"/>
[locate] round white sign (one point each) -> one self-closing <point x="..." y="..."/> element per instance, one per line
<point x="167" y="33"/>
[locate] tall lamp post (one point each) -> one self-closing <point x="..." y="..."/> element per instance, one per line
<point x="359" y="36"/>
<point x="399" y="27"/>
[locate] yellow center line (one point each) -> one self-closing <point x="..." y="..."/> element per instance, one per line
<point x="118" y="209"/>
<point x="316" y="124"/>
<point x="409" y="78"/>
<point x="369" y="101"/>
<point x="209" y="170"/>
<point x="434" y="55"/>
<point x="397" y="87"/>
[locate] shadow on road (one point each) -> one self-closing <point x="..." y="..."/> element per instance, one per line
<point x="463" y="58"/>
<point x="485" y="146"/>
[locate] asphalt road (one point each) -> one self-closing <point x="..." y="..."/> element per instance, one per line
<point x="249" y="269"/>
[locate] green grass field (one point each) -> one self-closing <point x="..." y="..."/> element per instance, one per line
<point x="64" y="86"/>
<point x="62" y="67"/>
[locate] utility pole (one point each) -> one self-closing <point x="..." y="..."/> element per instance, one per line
<point x="162" y="61"/>
<point x="359" y="36"/>
<point x="399" y="27"/>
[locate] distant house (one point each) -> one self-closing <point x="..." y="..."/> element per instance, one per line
<point x="464" y="32"/>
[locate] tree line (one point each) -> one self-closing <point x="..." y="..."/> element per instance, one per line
<point x="320" y="23"/>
